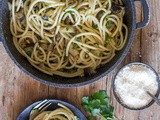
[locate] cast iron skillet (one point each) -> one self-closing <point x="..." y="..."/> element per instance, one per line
<point x="24" y="65"/>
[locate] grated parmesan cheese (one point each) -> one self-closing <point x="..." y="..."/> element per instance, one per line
<point x="131" y="84"/>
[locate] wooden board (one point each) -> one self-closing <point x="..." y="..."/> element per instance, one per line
<point x="17" y="90"/>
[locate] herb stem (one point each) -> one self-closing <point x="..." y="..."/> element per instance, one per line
<point x="101" y="116"/>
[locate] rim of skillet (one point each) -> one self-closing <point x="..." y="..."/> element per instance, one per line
<point x="81" y="83"/>
<point x="157" y="79"/>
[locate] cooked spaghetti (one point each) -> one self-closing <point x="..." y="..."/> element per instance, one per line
<point x="62" y="113"/>
<point x="68" y="37"/>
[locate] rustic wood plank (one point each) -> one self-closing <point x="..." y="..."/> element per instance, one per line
<point x="17" y="90"/>
<point x="150" y="47"/>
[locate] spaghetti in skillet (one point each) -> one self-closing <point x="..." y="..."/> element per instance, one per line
<point x="68" y="37"/>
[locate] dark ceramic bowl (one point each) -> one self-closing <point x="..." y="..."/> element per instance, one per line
<point x="24" y="115"/>
<point x="118" y="99"/>
<point x="25" y="66"/>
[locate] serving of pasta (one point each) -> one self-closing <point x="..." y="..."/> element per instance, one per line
<point x="68" y="38"/>
<point x="61" y="113"/>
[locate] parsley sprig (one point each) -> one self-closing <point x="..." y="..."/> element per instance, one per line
<point x="98" y="105"/>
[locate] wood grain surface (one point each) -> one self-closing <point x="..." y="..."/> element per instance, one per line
<point x="17" y="90"/>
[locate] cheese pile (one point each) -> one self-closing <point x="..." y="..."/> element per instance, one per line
<point x="131" y="84"/>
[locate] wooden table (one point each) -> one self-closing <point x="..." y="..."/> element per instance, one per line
<point x="17" y="90"/>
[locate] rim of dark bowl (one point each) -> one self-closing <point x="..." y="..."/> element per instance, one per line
<point x="76" y="111"/>
<point x="156" y="95"/>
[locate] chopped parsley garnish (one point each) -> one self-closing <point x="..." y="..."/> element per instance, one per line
<point x="24" y="1"/>
<point x="98" y="105"/>
<point x="67" y="28"/>
<point x="108" y="38"/>
<point x="29" y="51"/>
<point x="75" y="46"/>
<point x="70" y="12"/>
<point x="89" y="7"/>
<point x="94" y="53"/>
<point x="94" y="26"/>
<point x="35" y="110"/>
<point x="109" y="25"/>
<point x="81" y="27"/>
<point x="36" y="8"/>
<point x="107" y="17"/>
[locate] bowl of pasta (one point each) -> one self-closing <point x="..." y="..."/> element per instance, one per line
<point x="58" y="110"/>
<point x="68" y="43"/>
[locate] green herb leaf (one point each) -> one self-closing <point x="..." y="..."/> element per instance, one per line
<point x="24" y="1"/>
<point x="75" y="46"/>
<point x="81" y="27"/>
<point x="67" y="28"/>
<point x="85" y="100"/>
<point x="89" y="7"/>
<point x="35" y="110"/>
<point x="70" y="12"/>
<point x="29" y="51"/>
<point x="112" y="0"/>
<point x="107" y="17"/>
<point x="108" y="38"/>
<point x="95" y="112"/>
<point x="94" y="26"/>
<point x="109" y="25"/>
<point x="98" y="105"/>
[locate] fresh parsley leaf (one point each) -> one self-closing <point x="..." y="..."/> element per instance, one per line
<point x="70" y="12"/>
<point x="29" y="51"/>
<point x="81" y="27"/>
<point x="95" y="112"/>
<point x="108" y="38"/>
<point x="95" y="103"/>
<point x="107" y="17"/>
<point x="94" y="26"/>
<point x="89" y="7"/>
<point x="88" y="109"/>
<point x="109" y="25"/>
<point x="112" y="0"/>
<point x="98" y="105"/>
<point x="35" y="110"/>
<point x="100" y="95"/>
<point x="85" y="100"/>
<point x="75" y="46"/>
<point x="67" y="28"/>
<point x="24" y="1"/>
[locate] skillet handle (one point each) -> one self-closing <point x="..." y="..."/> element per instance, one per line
<point x="146" y="14"/>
